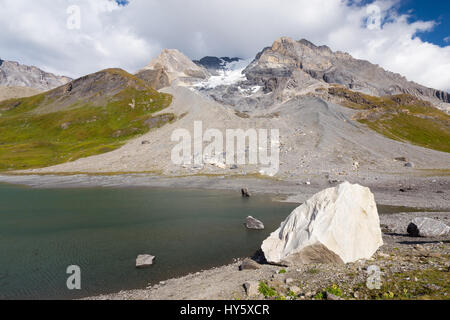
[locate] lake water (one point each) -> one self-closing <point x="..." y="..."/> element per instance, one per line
<point x="102" y="230"/>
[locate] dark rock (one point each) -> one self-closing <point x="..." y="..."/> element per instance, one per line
<point x="259" y="257"/>
<point x="245" y="193"/>
<point x="249" y="264"/>
<point x="412" y="230"/>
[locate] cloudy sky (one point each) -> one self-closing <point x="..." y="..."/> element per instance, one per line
<point x="77" y="37"/>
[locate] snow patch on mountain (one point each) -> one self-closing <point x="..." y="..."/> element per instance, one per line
<point x="229" y="75"/>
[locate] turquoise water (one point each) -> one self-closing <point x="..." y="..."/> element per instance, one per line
<point x="102" y="230"/>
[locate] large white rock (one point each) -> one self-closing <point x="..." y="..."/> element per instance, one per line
<point x="144" y="260"/>
<point x="337" y="225"/>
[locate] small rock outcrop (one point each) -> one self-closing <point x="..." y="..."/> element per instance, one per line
<point x="337" y="225"/>
<point x="157" y="78"/>
<point x="245" y="193"/>
<point x="255" y="224"/>
<point x="249" y="264"/>
<point x="252" y="288"/>
<point x="428" y="228"/>
<point x="144" y="260"/>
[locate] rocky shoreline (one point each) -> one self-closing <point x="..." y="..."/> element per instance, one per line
<point x="411" y="268"/>
<point x="426" y="191"/>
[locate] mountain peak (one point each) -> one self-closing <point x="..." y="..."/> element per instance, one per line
<point x="294" y="63"/>
<point x="176" y="65"/>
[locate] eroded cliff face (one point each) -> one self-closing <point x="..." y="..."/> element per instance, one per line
<point x="296" y="61"/>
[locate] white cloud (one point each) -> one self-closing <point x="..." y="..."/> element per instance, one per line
<point x="128" y="37"/>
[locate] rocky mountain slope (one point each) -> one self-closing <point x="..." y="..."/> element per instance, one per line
<point x="293" y="68"/>
<point x="317" y="138"/>
<point x="326" y="128"/>
<point x="90" y="115"/>
<point x="13" y="74"/>
<point x="157" y="78"/>
<point x="277" y="66"/>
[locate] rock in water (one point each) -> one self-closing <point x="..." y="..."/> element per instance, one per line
<point x="144" y="260"/>
<point x="426" y="227"/>
<point x="245" y="193"/>
<point x="337" y="225"/>
<point x="252" y="223"/>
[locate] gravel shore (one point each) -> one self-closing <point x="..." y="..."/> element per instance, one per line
<point x="411" y="268"/>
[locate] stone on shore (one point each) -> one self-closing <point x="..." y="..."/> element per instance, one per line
<point x="144" y="260"/>
<point x="252" y="223"/>
<point x="295" y="290"/>
<point x="249" y="264"/>
<point x="428" y="228"/>
<point x="337" y="225"/>
<point x="252" y="288"/>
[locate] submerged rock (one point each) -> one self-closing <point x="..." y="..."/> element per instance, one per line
<point x="252" y="223"/>
<point x="337" y="225"/>
<point x="144" y="260"/>
<point x="426" y="227"/>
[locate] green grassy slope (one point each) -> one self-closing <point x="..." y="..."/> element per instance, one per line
<point x="30" y="139"/>
<point x="400" y="117"/>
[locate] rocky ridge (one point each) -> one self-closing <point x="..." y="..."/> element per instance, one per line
<point x="13" y="74"/>
<point x="292" y="68"/>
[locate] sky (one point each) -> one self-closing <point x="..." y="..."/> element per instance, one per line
<point x="78" y="37"/>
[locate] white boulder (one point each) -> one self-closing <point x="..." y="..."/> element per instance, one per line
<point x="337" y="225"/>
<point x="144" y="260"/>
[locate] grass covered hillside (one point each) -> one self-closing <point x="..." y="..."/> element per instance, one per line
<point x="400" y="117"/>
<point x="88" y="116"/>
